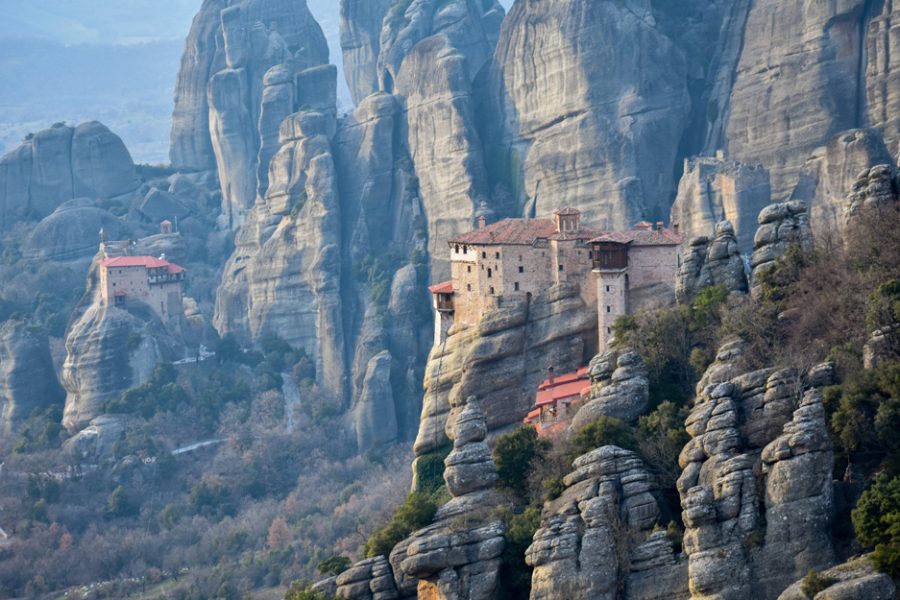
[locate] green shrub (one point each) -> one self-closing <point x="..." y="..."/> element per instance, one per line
<point x="416" y="512"/>
<point x="121" y="504"/>
<point x="876" y="520"/>
<point x="814" y="583"/>
<point x="333" y="565"/>
<point x="515" y="454"/>
<point x="605" y="431"/>
<point x="430" y="471"/>
<point x="515" y="574"/>
<point x="302" y="590"/>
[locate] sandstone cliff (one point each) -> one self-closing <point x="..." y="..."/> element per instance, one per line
<point x="59" y="164"/>
<point x="27" y="379"/>
<point x="588" y="102"/>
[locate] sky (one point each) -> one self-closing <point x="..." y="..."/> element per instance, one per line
<point x="53" y="66"/>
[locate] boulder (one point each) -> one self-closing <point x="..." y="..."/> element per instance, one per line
<point x="158" y="206"/>
<point x="623" y="396"/>
<point x="781" y="227"/>
<point x="711" y="262"/>
<point x="853" y="579"/>
<point x="71" y="232"/>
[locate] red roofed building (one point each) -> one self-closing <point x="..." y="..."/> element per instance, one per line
<point x="517" y="258"/>
<point x="558" y="399"/>
<point x="154" y="281"/>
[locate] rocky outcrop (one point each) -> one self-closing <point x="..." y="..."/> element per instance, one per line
<point x="712" y="190"/>
<point x="374" y="414"/>
<point x="504" y="358"/>
<point x="458" y="556"/>
<point x="285" y="273"/>
<point x="596" y="540"/>
<point x="848" y="581"/>
<point x="622" y="394"/>
<point x="191" y="147"/>
<point x="830" y="173"/>
<point x="71" y="232"/>
<point x="60" y="164"/>
<point x="709" y="262"/>
<point x="588" y="102"/>
<point x="781" y="226"/>
<point x="27" y="378"/>
<point x="756" y="487"/>
<point x="878" y="187"/>
<point x="233" y="94"/>
<point x="112" y="349"/>
<point x="367" y="580"/>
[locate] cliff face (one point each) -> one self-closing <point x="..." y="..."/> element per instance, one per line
<point x="59" y="164"/>
<point x="27" y="378"/>
<point x="503" y="360"/>
<point x="228" y="105"/>
<point x="588" y="103"/>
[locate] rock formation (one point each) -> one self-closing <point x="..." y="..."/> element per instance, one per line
<point x="458" y="556"/>
<point x="762" y="432"/>
<point x="882" y="76"/>
<point x="367" y="580"/>
<point x="791" y="53"/>
<point x="504" y="358"/>
<point x="241" y="75"/>
<point x="622" y="394"/>
<point x="71" y="232"/>
<point x="596" y="539"/>
<point x="708" y="262"/>
<point x="714" y="190"/>
<point x="27" y="379"/>
<point x="110" y="350"/>
<point x="781" y="226"/>
<point x="59" y="164"/>
<point x="878" y="187"/>
<point x="588" y="102"/>
<point x="848" y="581"/>
<point x="361" y="22"/>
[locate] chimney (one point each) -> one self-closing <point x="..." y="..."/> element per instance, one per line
<point x="660" y="225"/>
<point x="482" y="221"/>
<point x="551" y="377"/>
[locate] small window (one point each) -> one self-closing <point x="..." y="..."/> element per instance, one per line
<point x="490" y="272"/>
<point x="521" y="269"/>
<point x="469" y="270"/>
<point x="468" y="287"/>
<point x="482" y="267"/>
<point x="608" y="330"/>
<point x="484" y="255"/>
<point x="457" y="248"/>
<point x="492" y="291"/>
<point x="497" y="255"/>
<point x="608" y="308"/>
<point x="517" y="286"/>
<point x="607" y="288"/>
<point x="465" y="249"/>
<point x="561" y="268"/>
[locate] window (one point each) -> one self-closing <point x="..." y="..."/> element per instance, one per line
<point x="492" y="291"/>
<point x="517" y="286"/>
<point x="561" y="268"/>
<point x="521" y="269"/>
<point x="607" y="288"/>
<point x="457" y="248"/>
<point x="490" y="272"/>
<point x="497" y="255"/>
<point x="465" y="249"/>
<point x="608" y="330"/>
<point x="468" y="287"/>
<point x="608" y="308"/>
<point x="520" y="258"/>
<point x="484" y="255"/>
<point x="469" y="270"/>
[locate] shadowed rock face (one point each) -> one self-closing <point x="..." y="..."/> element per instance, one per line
<point x="588" y="103"/>
<point x="59" y="164"/>
<point x="361" y="22"/>
<point x="27" y="379"/>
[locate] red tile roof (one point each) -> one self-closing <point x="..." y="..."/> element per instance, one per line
<point x="442" y="288"/>
<point x="148" y="262"/>
<point x="521" y="232"/>
<point x="642" y="237"/>
<point x="565" y="386"/>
